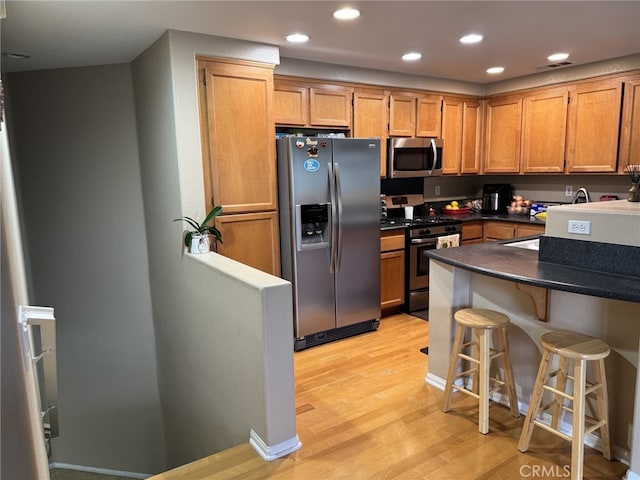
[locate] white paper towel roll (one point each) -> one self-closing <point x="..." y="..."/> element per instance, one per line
<point x="408" y="213"/>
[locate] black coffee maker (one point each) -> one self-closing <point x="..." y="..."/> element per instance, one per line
<point x="496" y="197"/>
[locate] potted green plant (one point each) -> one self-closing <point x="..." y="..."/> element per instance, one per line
<point x="199" y="239"/>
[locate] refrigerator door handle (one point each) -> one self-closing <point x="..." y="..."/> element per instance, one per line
<point x="339" y="222"/>
<point x="334" y="219"/>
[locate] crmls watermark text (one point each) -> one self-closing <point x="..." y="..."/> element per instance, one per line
<point x="545" y="471"/>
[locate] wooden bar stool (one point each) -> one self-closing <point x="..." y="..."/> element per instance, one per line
<point x="482" y="323"/>
<point x="579" y="349"/>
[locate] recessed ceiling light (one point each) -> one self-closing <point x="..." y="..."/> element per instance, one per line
<point x="495" y="70"/>
<point x="558" y="57"/>
<point x="16" y="56"/>
<point x="471" y="38"/>
<point x="297" y="38"/>
<point x="411" y="56"/>
<point x="346" y="13"/>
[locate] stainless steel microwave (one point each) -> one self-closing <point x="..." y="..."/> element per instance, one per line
<point x="414" y="157"/>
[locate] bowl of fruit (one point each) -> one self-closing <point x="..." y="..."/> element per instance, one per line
<point x="454" y="208"/>
<point x="519" y="206"/>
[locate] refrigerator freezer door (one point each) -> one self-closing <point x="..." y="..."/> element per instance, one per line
<point x="357" y="281"/>
<point x="314" y="295"/>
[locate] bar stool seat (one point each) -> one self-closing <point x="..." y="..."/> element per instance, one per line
<point x="482" y="323"/>
<point x="576" y="348"/>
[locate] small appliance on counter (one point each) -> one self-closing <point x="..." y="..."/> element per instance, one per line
<point x="496" y="197"/>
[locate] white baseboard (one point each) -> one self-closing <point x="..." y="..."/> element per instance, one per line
<point x="272" y="452"/>
<point x="631" y="476"/>
<point x="620" y="454"/>
<point x="103" y="471"/>
<point x="435" y="381"/>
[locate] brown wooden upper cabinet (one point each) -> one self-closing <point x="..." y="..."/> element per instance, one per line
<point x="593" y="126"/>
<point x="503" y="131"/>
<point x="570" y="129"/>
<point x="414" y="115"/>
<point x="544" y="126"/>
<point x="371" y="119"/>
<point x="312" y="105"/>
<point x="630" y="125"/>
<point x="237" y="99"/>
<point x="461" y="132"/>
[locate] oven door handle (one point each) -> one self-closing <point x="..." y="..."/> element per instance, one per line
<point x="416" y="241"/>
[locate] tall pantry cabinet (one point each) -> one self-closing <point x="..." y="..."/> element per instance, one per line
<point x="239" y="164"/>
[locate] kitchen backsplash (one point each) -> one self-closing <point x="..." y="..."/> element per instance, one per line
<point x="537" y="188"/>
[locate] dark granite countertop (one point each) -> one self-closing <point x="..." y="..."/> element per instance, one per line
<point x="392" y="227"/>
<point x="501" y="218"/>
<point x="521" y="265"/>
<point x="479" y="216"/>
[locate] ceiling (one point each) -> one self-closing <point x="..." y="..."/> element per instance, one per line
<point x="518" y="35"/>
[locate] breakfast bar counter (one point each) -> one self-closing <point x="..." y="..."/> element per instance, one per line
<point x="499" y="260"/>
<point x="538" y="297"/>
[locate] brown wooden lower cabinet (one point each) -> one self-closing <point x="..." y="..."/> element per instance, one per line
<point x="391" y="268"/>
<point x="472" y="232"/>
<point x="252" y="239"/>
<point x="524" y="230"/>
<point x="496" y="230"/>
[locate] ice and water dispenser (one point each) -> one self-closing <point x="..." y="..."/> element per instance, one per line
<point x="313" y="225"/>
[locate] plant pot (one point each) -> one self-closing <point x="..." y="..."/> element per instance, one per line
<point x="200" y="243"/>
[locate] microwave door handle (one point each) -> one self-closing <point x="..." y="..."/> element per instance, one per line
<point x="435" y="156"/>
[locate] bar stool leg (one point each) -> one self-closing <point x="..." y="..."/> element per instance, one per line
<point x="508" y="374"/>
<point x="474" y="351"/>
<point x="577" y="441"/>
<point x="484" y="338"/>
<point x="561" y="384"/>
<point x="603" y="410"/>
<point x="534" y="404"/>
<point x="453" y="361"/>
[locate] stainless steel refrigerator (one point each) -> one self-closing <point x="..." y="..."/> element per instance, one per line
<point x="329" y="199"/>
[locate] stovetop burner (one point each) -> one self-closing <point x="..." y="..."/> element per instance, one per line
<point x="394" y="221"/>
<point x="418" y="221"/>
<point x="423" y="220"/>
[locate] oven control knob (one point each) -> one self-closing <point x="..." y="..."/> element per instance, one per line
<point x="425" y="231"/>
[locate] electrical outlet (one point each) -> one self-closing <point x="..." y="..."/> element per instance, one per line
<point x="437" y="190"/>
<point x="580" y="227"/>
<point x="568" y="191"/>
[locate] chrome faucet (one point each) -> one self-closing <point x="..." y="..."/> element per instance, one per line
<point x="582" y="196"/>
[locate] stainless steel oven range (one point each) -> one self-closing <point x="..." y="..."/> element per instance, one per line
<point x="423" y="228"/>
<point x="422" y="235"/>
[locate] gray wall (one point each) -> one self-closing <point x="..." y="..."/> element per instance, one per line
<point x="73" y="134"/>
<point x="22" y="451"/>
<point x="96" y="175"/>
<point x="341" y="73"/>
<point x="224" y="353"/>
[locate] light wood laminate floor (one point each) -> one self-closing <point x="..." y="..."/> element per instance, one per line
<point x="365" y="412"/>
